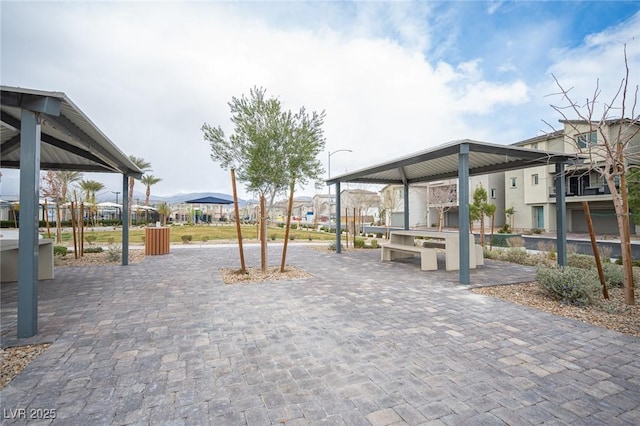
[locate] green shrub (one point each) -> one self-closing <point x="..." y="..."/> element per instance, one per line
<point x="636" y="262"/>
<point x="614" y="275"/>
<point x="358" y="243"/>
<point x="281" y="225"/>
<point x="292" y="237"/>
<point x="574" y="286"/>
<point x="502" y="240"/>
<point x="378" y="234"/>
<point x="59" y="251"/>
<point x="374" y="244"/>
<point x="515" y="255"/>
<point x="114" y="254"/>
<point x="110" y="240"/>
<point x="537" y="231"/>
<point x="90" y="239"/>
<point x="93" y="250"/>
<point x="205" y="238"/>
<point x="186" y="239"/>
<point x="273" y="237"/>
<point x="582" y="261"/>
<point x="294" y="226"/>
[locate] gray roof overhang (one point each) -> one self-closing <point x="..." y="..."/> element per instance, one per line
<point x="70" y="141"/>
<point x="441" y="162"/>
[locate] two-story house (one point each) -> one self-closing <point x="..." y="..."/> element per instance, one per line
<point x="531" y="192"/>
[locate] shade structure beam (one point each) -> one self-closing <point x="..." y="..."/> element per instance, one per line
<point x="463" y="195"/>
<point x="28" y="236"/>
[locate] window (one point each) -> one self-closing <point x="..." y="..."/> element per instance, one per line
<point x="514" y="182"/>
<point x="534" y="145"/>
<point x="534" y="179"/>
<point x="586" y="139"/>
<point x="493" y="193"/>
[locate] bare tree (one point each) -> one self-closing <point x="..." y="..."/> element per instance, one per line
<point x="391" y="201"/>
<point x="441" y="197"/>
<point x="362" y="200"/>
<point x="607" y="134"/>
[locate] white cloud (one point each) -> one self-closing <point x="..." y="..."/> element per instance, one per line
<point x="150" y="75"/>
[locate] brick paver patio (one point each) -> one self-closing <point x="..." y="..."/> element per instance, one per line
<point x="360" y="343"/>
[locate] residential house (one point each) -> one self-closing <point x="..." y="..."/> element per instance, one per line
<point x="366" y="204"/>
<point x="429" y="200"/>
<point x="531" y="192"/>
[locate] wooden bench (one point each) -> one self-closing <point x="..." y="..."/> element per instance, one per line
<point x="428" y="256"/>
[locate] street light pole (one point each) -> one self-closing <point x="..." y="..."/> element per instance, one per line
<point x="119" y="209"/>
<point x="329" y="174"/>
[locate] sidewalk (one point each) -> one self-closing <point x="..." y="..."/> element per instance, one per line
<point x="360" y="342"/>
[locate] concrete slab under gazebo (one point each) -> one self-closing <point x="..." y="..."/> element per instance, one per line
<point x="44" y="130"/>
<point x="462" y="159"/>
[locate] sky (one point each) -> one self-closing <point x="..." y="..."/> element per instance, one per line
<point x="392" y="77"/>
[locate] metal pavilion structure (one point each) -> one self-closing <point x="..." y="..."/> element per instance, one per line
<point x="462" y="159"/>
<point x="43" y="130"/>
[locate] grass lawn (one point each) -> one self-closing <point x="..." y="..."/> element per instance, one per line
<point x="198" y="233"/>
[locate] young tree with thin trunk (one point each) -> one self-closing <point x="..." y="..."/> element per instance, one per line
<point x="255" y="150"/>
<point x="303" y="143"/>
<point x="607" y="134"/>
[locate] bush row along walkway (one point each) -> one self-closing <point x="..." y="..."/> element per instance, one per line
<point x="361" y="342"/>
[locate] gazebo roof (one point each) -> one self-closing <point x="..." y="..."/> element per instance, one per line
<point x="441" y="162"/>
<point x="70" y="141"/>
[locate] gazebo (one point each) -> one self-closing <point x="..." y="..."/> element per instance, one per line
<point x="44" y="130"/>
<point x="462" y="159"/>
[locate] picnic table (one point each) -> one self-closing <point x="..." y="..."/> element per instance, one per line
<point x="402" y="244"/>
<point x="9" y="259"/>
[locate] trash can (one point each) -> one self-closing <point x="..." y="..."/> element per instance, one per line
<point x="156" y="241"/>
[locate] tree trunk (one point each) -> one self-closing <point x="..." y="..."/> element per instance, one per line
<point x="622" y="215"/>
<point x="263" y="235"/>
<point x="46" y="218"/>
<point x="287" y="225"/>
<point x="355" y="232"/>
<point x="73" y="230"/>
<point x="58" y="224"/>
<point x="625" y="242"/>
<point x="440" y="219"/>
<point x="482" y="229"/>
<point x="243" y="268"/>
<point x="493" y="222"/>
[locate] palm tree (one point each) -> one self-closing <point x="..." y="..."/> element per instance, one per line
<point x="148" y="181"/>
<point x="144" y="166"/>
<point x="90" y="187"/>
<point x="164" y="210"/>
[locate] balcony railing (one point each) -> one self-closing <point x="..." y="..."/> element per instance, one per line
<point x="581" y="191"/>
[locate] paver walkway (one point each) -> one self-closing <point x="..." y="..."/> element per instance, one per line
<point x="361" y="342"/>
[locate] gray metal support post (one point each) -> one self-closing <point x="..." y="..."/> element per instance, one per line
<point x="338" y="220"/>
<point x="561" y="216"/>
<point x="406" y="205"/>
<point x="125" y="220"/>
<point x="28" y="238"/>
<point x="463" y="220"/>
